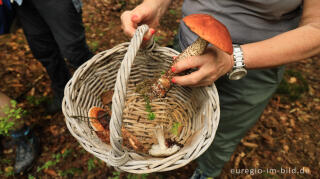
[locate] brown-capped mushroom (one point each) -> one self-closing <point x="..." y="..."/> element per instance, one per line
<point x="100" y="124"/>
<point x="161" y="149"/>
<point x="209" y="30"/>
<point x="96" y="118"/>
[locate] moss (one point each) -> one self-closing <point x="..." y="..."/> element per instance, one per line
<point x="292" y="91"/>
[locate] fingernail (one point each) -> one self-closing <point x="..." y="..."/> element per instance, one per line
<point x="152" y="31"/>
<point x="174" y="57"/>
<point x="134" y="17"/>
<point x="173" y="69"/>
<point x="173" y="80"/>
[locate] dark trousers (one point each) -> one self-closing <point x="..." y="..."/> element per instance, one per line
<point x="54" y="31"/>
<point x="241" y="105"/>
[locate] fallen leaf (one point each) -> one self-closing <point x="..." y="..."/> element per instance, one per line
<point x="51" y="172"/>
<point x="306" y="170"/>
<point x="292" y="80"/>
<point x="106" y="97"/>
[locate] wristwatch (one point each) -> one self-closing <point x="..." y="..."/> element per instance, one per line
<point x="238" y="71"/>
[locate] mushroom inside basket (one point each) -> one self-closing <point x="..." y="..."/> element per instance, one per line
<point x="151" y="126"/>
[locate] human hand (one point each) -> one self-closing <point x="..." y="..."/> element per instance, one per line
<point x="149" y="12"/>
<point x="211" y="65"/>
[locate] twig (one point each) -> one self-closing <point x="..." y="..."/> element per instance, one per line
<point x="28" y="88"/>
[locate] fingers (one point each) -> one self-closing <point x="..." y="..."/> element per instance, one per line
<point x="187" y="63"/>
<point x="130" y="21"/>
<point x="148" y="35"/>
<point x="192" y="79"/>
<point x="128" y="26"/>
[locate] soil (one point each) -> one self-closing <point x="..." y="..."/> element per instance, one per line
<point x="285" y="138"/>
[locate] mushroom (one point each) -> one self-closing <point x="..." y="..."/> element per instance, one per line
<point x="209" y="30"/>
<point x="95" y="115"/>
<point x="101" y="127"/>
<point x="161" y="149"/>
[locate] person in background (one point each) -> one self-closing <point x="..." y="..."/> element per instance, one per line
<point x="54" y="31"/>
<point x="27" y="143"/>
<point x="266" y="35"/>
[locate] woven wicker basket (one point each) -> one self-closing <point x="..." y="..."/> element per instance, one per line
<point x="120" y="69"/>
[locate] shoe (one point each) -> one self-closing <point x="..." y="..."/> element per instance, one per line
<point x="198" y="174"/>
<point x="54" y="105"/>
<point x="27" y="149"/>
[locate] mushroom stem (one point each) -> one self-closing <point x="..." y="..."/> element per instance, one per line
<point x="161" y="149"/>
<point x="163" y="84"/>
<point x="160" y="137"/>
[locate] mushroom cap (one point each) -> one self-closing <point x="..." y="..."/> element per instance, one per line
<point x="93" y="118"/>
<point x="211" y="30"/>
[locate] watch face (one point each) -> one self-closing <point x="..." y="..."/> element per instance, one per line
<point x="237" y="74"/>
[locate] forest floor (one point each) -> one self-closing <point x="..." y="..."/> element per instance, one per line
<point x="283" y="144"/>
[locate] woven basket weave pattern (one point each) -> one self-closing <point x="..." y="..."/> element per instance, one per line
<point x="120" y="69"/>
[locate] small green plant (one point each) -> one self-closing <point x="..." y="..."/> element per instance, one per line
<point x="94" y="46"/>
<point x="135" y="176"/>
<point x="66" y="153"/>
<point x="69" y="172"/>
<point x="173" y="12"/>
<point x="12" y="116"/>
<point x="6" y="161"/>
<point x="151" y="115"/>
<point x="158" y="38"/>
<point x="31" y="177"/>
<point x="292" y="91"/>
<point x="175" y="128"/>
<point x="36" y="101"/>
<point x="8" y="171"/>
<point x="115" y="175"/>
<point x="91" y="164"/>
<point x="55" y="160"/>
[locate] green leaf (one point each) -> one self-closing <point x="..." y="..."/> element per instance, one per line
<point x="175" y="128"/>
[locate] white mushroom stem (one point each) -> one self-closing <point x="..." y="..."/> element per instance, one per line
<point x="161" y="149"/>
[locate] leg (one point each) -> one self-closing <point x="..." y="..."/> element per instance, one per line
<point x="5" y="106"/>
<point x="66" y="25"/>
<point x="44" y="46"/>
<point x="27" y="143"/>
<point x="242" y="103"/>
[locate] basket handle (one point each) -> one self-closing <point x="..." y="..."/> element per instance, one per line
<point x="119" y="156"/>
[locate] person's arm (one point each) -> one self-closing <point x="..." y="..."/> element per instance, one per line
<point x="300" y="43"/>
<point x="148" y="12"/>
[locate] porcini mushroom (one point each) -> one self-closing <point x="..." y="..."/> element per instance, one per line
<point x="161" y="149"/>
<point x="100" y="124"/>
<point x="209" y="30"/>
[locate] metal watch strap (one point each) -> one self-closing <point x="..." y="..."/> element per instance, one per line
<point x="238" y="57"/>
<point x="238" y="71"/>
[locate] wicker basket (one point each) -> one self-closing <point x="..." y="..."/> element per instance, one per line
<point x="120" y="69"/>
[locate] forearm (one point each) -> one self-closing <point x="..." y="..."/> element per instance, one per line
<point x="292" y="46"/>
<point x="161" y="5"/>
<point x="298" y="44"/>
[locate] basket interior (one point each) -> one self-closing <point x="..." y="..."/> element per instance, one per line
<point x="181" y="105"/>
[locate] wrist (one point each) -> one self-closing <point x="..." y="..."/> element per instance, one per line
<point x="238" y="70"/>
<point x="160" y="7"/>
<point x="163" y="4"/>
